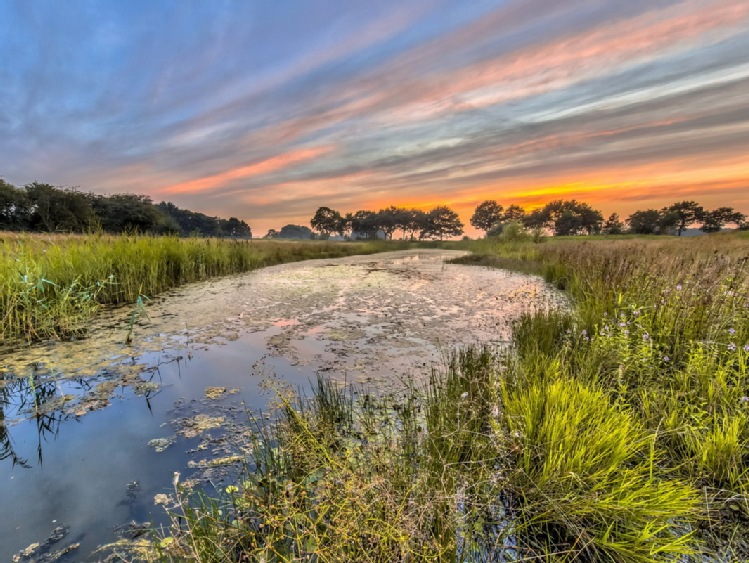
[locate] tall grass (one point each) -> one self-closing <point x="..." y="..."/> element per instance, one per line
<point x="52" y="285"/>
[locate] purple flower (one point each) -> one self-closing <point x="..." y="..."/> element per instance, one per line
<point x="731" y="331"/>
<point x="731" y="346"/>
<point x="666" y="359"/>
<point x="584" y="332"/>
<point x="636" y="312"/>
<point x="678" y="287"/>
<point x="744" y="399"/>
<point x="746" y="347"/>
<point x="622" y="324"/>
<point x="646" y="337"/>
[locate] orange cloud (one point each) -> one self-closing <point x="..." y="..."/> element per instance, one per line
<point x="256" y="169"/>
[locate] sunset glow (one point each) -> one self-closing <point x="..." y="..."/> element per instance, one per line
<point x="266" y="110"/>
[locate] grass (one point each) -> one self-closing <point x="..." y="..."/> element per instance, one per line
<point x="52" y="285"/>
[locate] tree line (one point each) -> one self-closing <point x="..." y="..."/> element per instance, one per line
<point x="570" y="217"/>
<point x="438" y="223"/>
<point x="38" y="207"/>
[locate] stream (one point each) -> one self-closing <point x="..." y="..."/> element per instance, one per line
<point x="92" y="431"/>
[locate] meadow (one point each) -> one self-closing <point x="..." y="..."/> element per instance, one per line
<point x="617" y="430"/>
<point x="52" y="285"/>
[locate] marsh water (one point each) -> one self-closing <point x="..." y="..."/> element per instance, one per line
<point x="92" y="431"/>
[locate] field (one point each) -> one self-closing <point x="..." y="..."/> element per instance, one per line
<point x="615" y="431"/>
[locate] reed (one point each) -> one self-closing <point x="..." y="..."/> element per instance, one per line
<point x="50" y="286"/>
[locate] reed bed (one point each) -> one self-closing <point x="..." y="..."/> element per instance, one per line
<point x="51" y="286"/>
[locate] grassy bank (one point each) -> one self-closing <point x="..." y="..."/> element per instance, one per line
<point x="617" y="431"/>
<point x="50" y="286"/>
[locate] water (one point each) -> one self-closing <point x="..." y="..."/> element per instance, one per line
<point x="78" y="456"/>
<point x="91" y="473"/>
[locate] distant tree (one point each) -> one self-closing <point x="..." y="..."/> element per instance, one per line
<point x="714" y="221"/>
<point x="272" y="233"/>
<point x="513" y="213"/>
<point x="668" y="222"/>
<point x="687" y="213"/>
<point x="14" y="207"/>
<point x="326" y="220"/>
<point x="235" y="228"/>
<point x="536" y="219"/>
<point x="644" y="222"/>
<point x="567" y="223"/>
<point x="128" y="212"/>
<point x="364" y="224"/>
<point x="412" y="222"/>
<point x="388" y="220"/>
<point x="345" y="225"/>
<point x="566" y="217"/>
<point x="58" y="209"/>
<point x="613" y="225"/>
<point x="487" y="214"/>
<point x="295" y="232"/>
<point x="441" y="222"/>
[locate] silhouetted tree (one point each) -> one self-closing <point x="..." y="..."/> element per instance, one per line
<point x="687" y="213"/>
<point x="487" y="214"/>
<point x="441" y="222"/>
<point x="714" y="221"/>
<point x="644" y="222"/>
<point x="295" y="232"/>
<point x="326" y="220"/>
<point x="513" y="213"/>
<point x="613" y="225"/>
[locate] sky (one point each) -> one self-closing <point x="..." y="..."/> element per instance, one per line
<point x="268" y="109"/>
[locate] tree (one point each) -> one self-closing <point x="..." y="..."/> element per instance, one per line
<point x="644" y="222"/>
<point x="128" y="212"/>
<point x="272" y="233"/>
<point x="487" y="214"/>
<point x="326" y="220"/>
<point x="513" y="213"/>
<point x="364" y="224"/>
<point x="388" y="220"/>
<point x="233" y="227"/>
<point x="59" y="209"/>
<point x="714" y="221"/>
<point x="14" y="207"/>
<point x="613" y="225"/>
<point x="566" y="217"/>
<point x="295" y="232"/>
<point x="687" y="212"/>
<point x="441" y="222"/>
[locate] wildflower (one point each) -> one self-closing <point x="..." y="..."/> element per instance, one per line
<point x="626" y="332"/>
<point x="646" y="337"/>
<point x="622" y="324"/>
<point x="666" y="359"/>
<point x="636" y="312"/>
<point x="584" y="332"/>
<point x="731" y="331"/>
<point x="744" y="399"/>
<point x="679" y="287"/>
<point x="464" y="395"/>
<point x="746" y="347"/>
<point x="731" y="346"/>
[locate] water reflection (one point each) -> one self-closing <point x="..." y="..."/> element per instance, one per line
<point x="49" y="400"/>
